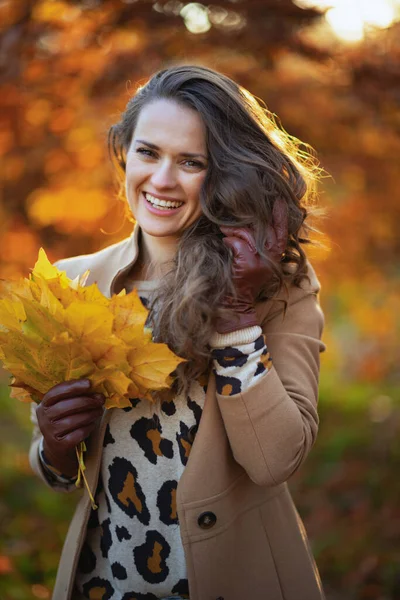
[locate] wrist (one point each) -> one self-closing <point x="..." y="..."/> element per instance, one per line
<point x="238" y="337"/>
<point x="66" y="466"/>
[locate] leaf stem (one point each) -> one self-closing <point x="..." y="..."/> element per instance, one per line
<point x="81" y="472"/>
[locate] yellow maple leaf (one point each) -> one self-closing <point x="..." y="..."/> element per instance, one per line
<point x="117" y="401"/>
<point x="17" y="354"/>
<point x="47" y="299"/>
<point x="115" y="383"/>
<point x="39" y="321"/>
<point x="12" y="315"/>
<point x="152" y="364"/>
<point x="41" y="364"/>
<point x="44" y="269"/>
<point x="8" y="289"/>
<point x="22" y="394"/>
<point x="80" y="280"/>
<point x="91" y="293"/>
<point x="87" y="321"/>
<point x="129" y="317"/>
<point x="72" y="361"/>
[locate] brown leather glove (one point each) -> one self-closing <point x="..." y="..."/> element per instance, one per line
<point x="249" y="271"/>
<point x="66" y="416"/>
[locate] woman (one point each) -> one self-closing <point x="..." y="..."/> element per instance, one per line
<point x="191" y="490"/>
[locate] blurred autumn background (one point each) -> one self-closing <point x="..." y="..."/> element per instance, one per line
<point x="331" y="72"/>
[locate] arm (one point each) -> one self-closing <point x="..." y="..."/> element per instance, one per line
<point x="272" y="424"/>
<point x="240" y="359"/>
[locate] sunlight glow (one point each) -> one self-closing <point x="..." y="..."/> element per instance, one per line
<point x="351" y="19"/>
<point x="346" y="22"/>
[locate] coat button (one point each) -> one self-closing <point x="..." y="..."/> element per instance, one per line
<point x="220" y="598"/>
<point x="207" y="520"/>
<point x="192" y="434"/>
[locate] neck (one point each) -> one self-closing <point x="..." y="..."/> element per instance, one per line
<point x="156" y="254"/>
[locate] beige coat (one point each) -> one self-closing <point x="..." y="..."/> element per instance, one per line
<point x="246" y="448"/>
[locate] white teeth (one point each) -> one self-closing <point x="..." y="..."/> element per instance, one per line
<point x="162" y="203"/>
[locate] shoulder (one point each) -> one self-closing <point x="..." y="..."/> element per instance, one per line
<point x="109" y="257"/>
<point x="291" y="297"/>
<point x="309" y="285"/>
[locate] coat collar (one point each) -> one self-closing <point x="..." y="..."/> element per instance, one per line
<point x="108" y="266"/>
<point x="130" y="253"/>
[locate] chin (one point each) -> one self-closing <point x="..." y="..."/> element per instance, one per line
<point x="159" y="230"/>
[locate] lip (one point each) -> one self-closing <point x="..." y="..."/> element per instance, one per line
<point x="157" y="211"/>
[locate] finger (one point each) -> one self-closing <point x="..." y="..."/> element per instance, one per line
<point x="72" y="439"/>
<point x="71" y="406"/>
<point x="71" y="423"/>
<point x="244" y="259"/>
<point x="66" y="389"/>
<point x="241" y="250"/>
<point x="280" y="224"/>
<point x="241" y="233"/>
<point x="270" y="238"/>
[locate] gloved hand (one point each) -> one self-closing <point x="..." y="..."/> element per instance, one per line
<point x="66" y="416"/>
<point x="249" y="270"/>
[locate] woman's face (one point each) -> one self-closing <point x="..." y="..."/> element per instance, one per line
<point x="166" y="163"/>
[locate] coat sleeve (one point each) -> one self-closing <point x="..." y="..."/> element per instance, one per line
<point x="273" y="424"/>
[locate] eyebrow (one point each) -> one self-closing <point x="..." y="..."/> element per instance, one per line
<point x="154" y="147"/>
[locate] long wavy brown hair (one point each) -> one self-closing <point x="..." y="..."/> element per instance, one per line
<point x="252" y="162"/>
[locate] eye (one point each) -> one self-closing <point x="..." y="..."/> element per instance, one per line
<point x="145" y="152"/>
<point x="193" y="164"/>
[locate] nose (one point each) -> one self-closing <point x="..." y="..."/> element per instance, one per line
<point x="164" y="175"/>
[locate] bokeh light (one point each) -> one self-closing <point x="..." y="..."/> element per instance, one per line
<point x="196" y="18"/>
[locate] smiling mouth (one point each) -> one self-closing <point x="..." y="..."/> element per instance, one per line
<point x="161" y="204"/>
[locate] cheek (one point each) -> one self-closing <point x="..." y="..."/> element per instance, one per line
<point x="195" y="189"/>
<point x="131" y="176"/>
<point x="135" y="172"/>
<point x="195" y="207"/>
<point x="133" y="180"/>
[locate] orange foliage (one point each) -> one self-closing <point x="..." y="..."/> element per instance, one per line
<point x="70" y="71"/>
<point x="69" y="208"/>
<point x="5" y="565"/>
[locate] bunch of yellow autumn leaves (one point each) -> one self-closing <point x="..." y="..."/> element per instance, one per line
<point x="53" y="329"/>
